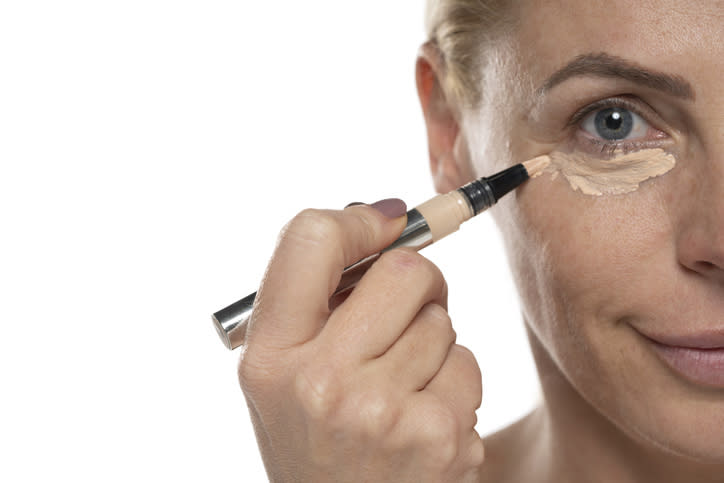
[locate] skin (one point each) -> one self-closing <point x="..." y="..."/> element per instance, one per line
<point x="593" y="273"/>
<point x="621" y="174"/>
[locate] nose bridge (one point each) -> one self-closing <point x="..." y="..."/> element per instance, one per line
<point x="700" y="244"/>
<point x="712" y="175"/>
<point x="698" y="209"/>
<point x="709" y="142"/>
<point x="711" y="119"/>
<point x="711" y="201"/>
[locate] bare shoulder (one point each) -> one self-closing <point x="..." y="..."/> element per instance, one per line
<point x="510" y="454"/>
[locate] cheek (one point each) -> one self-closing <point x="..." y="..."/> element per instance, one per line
<point x="582" y="263"/>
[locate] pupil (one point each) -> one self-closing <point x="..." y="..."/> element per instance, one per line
<point x="614" y="121"/>
<point x="614" y="124"/>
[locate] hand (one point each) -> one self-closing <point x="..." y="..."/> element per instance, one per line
<point x="374" y="389"/>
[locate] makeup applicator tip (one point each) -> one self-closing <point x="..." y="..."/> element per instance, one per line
<point x="536" y="166"/>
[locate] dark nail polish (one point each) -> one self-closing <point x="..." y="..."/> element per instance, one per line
<point x="391" y="207"/>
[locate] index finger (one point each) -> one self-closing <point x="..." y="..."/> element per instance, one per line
<point x="313" y="250"/>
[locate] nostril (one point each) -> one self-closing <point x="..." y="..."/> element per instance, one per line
<point x="705" y="265"/>
<point x="700" y="248"/>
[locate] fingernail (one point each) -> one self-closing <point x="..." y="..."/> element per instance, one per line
<point x="354" y="203"/>
<point x="391" y="207"/>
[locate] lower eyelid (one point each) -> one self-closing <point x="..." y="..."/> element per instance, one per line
<point x="599" y="147"/>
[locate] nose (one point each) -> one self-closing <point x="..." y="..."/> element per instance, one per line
<point x="700" y="241"/>
<point x="701" y="256"/>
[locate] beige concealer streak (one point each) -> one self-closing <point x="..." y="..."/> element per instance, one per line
<point x="445" y="213"/>
<point x="619" y="175"/>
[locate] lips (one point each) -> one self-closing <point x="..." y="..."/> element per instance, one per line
<point x="697" y="357"/>
<point x="713" y="339"/>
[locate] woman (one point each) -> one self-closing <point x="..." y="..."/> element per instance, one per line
<point x="622" y="288"/>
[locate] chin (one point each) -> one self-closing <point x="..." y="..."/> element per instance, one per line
<point x="704" y="447"/>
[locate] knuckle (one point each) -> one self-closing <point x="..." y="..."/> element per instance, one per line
<point x="376" y="415"/>
<point x="466" y="356"/>
<point x="254" y="375"/>
<point x="477" y="452"/>
<point x="246" y="375"/>
<point x="401" y="259"/>
<point x="446" y="453"/>
<point x="313" y="226"/>
<point x="441" y="323"/>
<point x="369" y="231"/>
<point x="439" y="316"/>
<point x="469" y="366"/>
<point x="317" y="392"/>
<point x="441" y="436"/>
<point x="445" y="288"/>
<point x="405" y="260"/>
<point x="431" y="271"/>
<point x="366" y="234"/>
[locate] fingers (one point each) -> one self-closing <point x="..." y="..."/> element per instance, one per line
<point x="444" y="413"/>
<point x="384" y="302"/>
<point x="446" y="444"/>
<point x="458" y="384"/>
<point x="312" y="251"/>
<point x="420" y="351"/>
<point x="475" y="452"/>
<point x="373" y="381"/>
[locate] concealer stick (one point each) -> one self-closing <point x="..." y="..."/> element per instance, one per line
<point x="426" y="224"/>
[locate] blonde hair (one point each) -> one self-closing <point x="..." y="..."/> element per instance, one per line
<point x="460" y="29"/>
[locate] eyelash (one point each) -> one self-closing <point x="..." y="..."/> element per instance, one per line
<point x="608" y="148"/>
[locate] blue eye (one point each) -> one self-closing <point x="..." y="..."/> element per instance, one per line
<point x="615" y="124"/>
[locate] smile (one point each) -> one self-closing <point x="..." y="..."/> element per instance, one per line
<point x="697" y="357"/>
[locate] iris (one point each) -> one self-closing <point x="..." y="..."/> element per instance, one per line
<point x="614" y="123"/>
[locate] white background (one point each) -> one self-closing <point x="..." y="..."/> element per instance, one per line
<point x="150" y="152"/>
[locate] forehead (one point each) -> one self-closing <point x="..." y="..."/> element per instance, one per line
<point x="677" y="36"/>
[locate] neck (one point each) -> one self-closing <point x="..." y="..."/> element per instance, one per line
<point x="577" y="443"/>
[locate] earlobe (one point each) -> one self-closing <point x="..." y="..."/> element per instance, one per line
<point x="449" y="163"/>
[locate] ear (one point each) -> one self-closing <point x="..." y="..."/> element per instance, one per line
<point x="449" y="162"/>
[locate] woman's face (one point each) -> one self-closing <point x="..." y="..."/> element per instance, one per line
<point x="602" y="277"/>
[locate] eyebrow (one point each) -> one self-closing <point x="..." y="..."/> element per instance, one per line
<point x="605" y="65"/>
